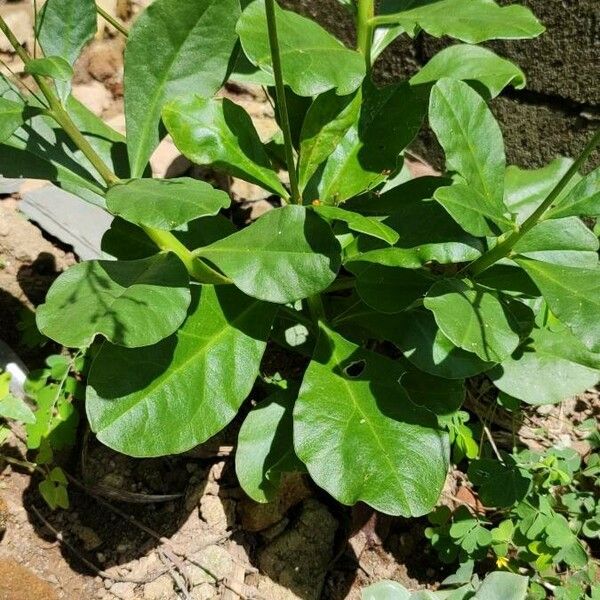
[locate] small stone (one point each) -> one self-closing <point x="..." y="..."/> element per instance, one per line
<point x="293" y="489"/>
<point x="19" y="18"/>
<point x="218" y="513"/>
<point x="167" y="161"/>
<point x="198" y="576"/>
<point x="159" y="589"/>
<point x="93" y="95"/>
<point x="216" y="560"/>
<point x="117" y="123"/>
<point x="242" y="190"/>
<point x="145" y="566"/>
<point x="123" y="590"/>
<point x="91" y="540"/>
<point x="105" y="60"/>
<point x="203" y="592"/>
<point x="298" y="558"/>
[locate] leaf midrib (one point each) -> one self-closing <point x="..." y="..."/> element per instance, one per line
<point x="156" y="99"/>
<point x="357" y="408"/>
<point x="159" y="382"/>
<point x="469" y="146"/>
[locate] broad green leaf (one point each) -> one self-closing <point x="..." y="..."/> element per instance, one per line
<point x="440" y="396"/>
<point x="411" y="192"/>
<point x="573" y="295"/>
<point x="370" y="226"/>
<point x="54" y="494"/>
<point x="472" y="64"/>
<point x="40" y="149"/>
<point x="174" y="49"/>
<point x="500" y="585"/>
<point x="508" y="278"/>
<point x="499" y="485"/>
<point x="131" y="303"/>
<point x="312" y="60"/>
<point x="221" y="133"/>
<point x="165" y="203"/>
<point x="126" y="241"/>
<point x="472" y="142"/>
<point x="265" y="447"/>
<point x="297" y="107"/>
<point x="64" y="27"/>
<point x="417" y="335"/>
<point x="389" y="289"/>
<point x="169" y="397"/>
<point x="526" y="189"/>
<point x="564" y="241"/>
<point x="547" y="368"/>
<point x="366" y="406"/>
<point x="470" y="209"/>
<point x="390" y="118"/>
<point x="15" y="408"/>
<point x="54" y="67"/>
<point x="12" y="116"/>
<point x="473" y="319"/>
<point x="471" y="21"/>
<point x="351" y="400"/>
<point x="382" y="38"/>
<point x="288" y="254"/>
<point x="385" y="590"/>
<point x="559" y="535"/>
<point x="427" y="234"/>
<point x="583" y="200"/>
<point x="327" y="121"/>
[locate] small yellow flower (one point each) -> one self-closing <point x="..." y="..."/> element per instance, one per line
<point x="316" y="202"/>
<point x="502" y="562"/>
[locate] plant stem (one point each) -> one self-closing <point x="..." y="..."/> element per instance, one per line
<point x="364" y="29"/>
<point x="504" y="247"/>
<point x="195" y="267"/>
<point x="165" y="240"/>
<point x="384" y="20"/>
<point x="282" y="101"/>
<point x="59" y="114"/>
<point x="112" y="21"/>
<point x="24" y="464"/>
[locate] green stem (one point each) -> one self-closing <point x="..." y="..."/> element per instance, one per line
<point x="504" y="247"/>
<point x="383" y="20"/>
<point x="282" y="101"/>
<point x="165" y="240"/>
<point x="24" y="464"/>
<point x="196" y="268"/>
<point x="364" y="29"/>
<point x="58" y="112"/>
<point x="112" y="21"/>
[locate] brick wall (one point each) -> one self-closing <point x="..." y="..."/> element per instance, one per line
<point x="560" y="108"/>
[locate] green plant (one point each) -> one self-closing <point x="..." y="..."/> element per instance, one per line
<point x="542" y="516"/>
<point x="54" y="391"/>
<point x="461" y="586"/>
<point x="485" y="270"/>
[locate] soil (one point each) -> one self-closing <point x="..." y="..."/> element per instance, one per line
<point x="181" y="527"/>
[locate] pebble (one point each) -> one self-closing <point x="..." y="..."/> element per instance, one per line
<point x="123" y="590"/>
<point x="93" y="95"/>
<point x="159" y="589"/>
